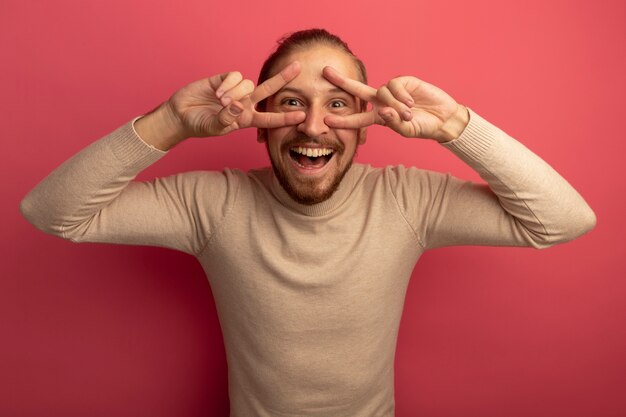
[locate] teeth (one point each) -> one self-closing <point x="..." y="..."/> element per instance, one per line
<point x="314" y="152"/>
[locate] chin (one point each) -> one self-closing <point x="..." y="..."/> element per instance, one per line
<point x="310" y="191"/>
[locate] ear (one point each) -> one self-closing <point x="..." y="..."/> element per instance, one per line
<point x="261" y="135"/>
<point x="362" y="136"/>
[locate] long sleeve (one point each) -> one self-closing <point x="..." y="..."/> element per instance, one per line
<point x="92" y="198"/>
<point x="525" y="202"/>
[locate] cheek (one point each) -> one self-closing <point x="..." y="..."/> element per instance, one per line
<point x="276" y="137"/>
<point x="349" y="138"/>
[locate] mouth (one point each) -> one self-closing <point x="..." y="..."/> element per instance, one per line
<point x="311" y="159"/>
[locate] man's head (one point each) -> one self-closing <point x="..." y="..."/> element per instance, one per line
<point x="312" y="179"/>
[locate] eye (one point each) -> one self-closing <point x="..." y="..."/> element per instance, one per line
<point x="290" y="102"/>
<point x="337" y="104"/>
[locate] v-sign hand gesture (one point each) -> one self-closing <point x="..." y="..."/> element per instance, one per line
<point x="226" y="102"/>
<point x="409" y="106"/>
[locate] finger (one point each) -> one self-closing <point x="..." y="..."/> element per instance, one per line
<point x="388" y="99"/>
<point x="354" y="87"/>
<point x="273" y="120"/>
<point x="228" y="115"/>
<point x="239" y="91"/>
<point x="398" y="89"/>
<point x="392" y="119"/>
<point x="353" y="121"/>
<point x="278" y="81"/>
<point x="228" y="81"/>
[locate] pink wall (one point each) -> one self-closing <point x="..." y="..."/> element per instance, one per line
<point x="102" y="330"/>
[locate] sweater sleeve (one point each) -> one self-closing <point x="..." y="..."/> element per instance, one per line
<point x="524" y="203"/>
<point x="92" y="197"/>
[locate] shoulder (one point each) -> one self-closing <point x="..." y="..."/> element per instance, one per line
<point x="205" y="186"/>
<point x="211" y="178"/>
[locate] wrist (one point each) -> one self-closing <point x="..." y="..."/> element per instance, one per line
<point x="454" y="126"/>
<point x="160" y="128"/>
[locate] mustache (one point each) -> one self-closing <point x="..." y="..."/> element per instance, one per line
<point x="301" y="139"/>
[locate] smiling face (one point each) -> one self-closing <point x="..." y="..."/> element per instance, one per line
<point x="311" y="159"/>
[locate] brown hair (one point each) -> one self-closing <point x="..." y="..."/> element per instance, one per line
<point x="300" y="40"/>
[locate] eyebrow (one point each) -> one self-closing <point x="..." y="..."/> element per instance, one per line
<point x="301" y="92"/>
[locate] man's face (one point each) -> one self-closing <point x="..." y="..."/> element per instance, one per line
<point x="313" y="179"/>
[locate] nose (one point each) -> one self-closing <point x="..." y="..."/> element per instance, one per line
<point x="313" y="125"/>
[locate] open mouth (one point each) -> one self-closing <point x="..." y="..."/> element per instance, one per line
<point x="311" y="158"/>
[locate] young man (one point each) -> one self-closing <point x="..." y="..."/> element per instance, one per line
<point x="309" y="261"/>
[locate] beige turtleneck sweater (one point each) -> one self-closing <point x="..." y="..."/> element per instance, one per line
<point x="310" y="297"/>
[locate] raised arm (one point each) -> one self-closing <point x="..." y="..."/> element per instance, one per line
<point x="525" y="202"/>
<point x="91" y="197"/>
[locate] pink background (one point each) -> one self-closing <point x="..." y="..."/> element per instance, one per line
<point x="103" y="330"/>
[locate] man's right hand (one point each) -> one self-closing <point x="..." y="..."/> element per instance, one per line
<point x="216" y="106"/>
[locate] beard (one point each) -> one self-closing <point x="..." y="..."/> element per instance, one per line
<point x="308" y="191"/>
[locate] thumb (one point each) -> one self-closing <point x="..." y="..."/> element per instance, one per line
<point x="391" y="118"/>
<point x="229" y="114"/>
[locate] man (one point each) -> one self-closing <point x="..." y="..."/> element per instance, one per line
<point x="309" y="261"/>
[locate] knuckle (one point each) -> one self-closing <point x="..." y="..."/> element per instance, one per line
<point x="266" y="89"/>
<point x="223" y="120"/>
<point x="382" y="92"/>
<point x="215" y="81"/>
<point x="248" y="86"/>
<point x="396" y="88"/>
<point x="224" y="117"/>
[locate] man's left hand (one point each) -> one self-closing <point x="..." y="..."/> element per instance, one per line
<point x="408" y="105"/>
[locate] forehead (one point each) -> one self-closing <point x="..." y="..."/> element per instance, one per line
<point x="313" y="59"/>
